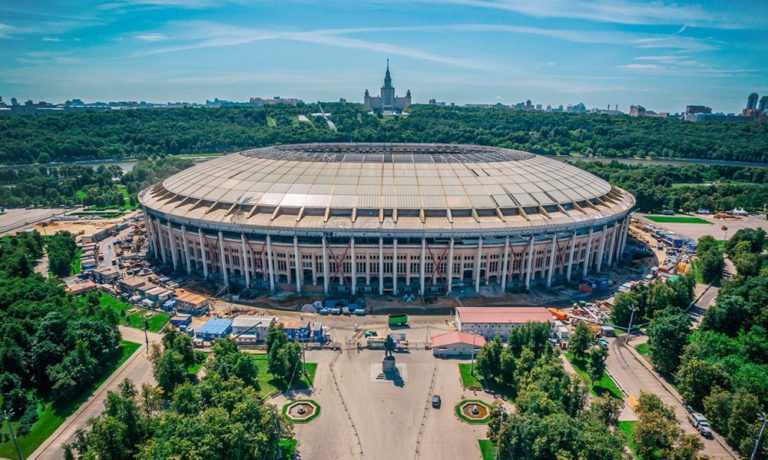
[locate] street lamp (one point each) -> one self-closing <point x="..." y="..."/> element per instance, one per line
<point x="725" y="229"/>
<point x="631" y="317"/>
<point x="762" y="417"/>
<point x="13" y="435"/>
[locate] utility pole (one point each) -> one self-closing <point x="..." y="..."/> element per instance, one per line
<point x="631" y="317"/>
<point x="146" y="337"/>
<point x="13" y="435"/>
<point x="472" y="354"/>
<point x="762" y="417"/>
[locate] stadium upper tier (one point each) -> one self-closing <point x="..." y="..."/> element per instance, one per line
<point x="395" y="187"/>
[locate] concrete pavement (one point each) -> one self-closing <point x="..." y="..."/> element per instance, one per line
<point x="137" y="369"/>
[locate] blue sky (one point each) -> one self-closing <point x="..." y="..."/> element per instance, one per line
<point x="660" y="54"/>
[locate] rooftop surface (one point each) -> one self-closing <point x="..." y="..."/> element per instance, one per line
<point x="450" y="338"/>
<point x="512" y="315"/>
<point x="313" y="185"/>
<point x="216" y="326"/>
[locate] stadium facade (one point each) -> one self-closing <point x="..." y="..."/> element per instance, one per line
<point x="386" y="219"/>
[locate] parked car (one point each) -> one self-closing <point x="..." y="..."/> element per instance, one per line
<point x="700" y="422"/>
<point x="436" y="401"/>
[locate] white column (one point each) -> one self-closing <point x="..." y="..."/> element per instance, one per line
<point x="612" y="244"/>
<point x="223" y="263"/>
<point x="244" y="259"/>
<point x="624" y="235"/>
<point x="394" y="266"/>
<point x="325" y="266"/>
<point x="270" y="264"/>
<point x="450" y="266"/>
<point x="151" y="236"/>
<point x="185" y="244"/>
<point x="422" y="268"/>
<point x="570" y="258"/>
<point x="504" y="264"/>
<point x="299" y="263"/>
<point x="381" y="266"/>
<point x="551" y="261"/>
<point x="172" y="242"/>
<point x="202" y="253"/>
<point x="530" y="264"/>
<point x="162" y="243"/>
<point x="478" y="263"/>
<point x="600" y="251"/>
<point x="588" y="253"/>
<point x="354" y="265"/>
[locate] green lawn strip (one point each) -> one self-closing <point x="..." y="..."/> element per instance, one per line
<point x="457" y="411"/>
<point x="306" y="420"/>
<point x="271" y="123"/>
<point x="627" y="428"/>
<point x="126" y="198"/>
<point x="487" y="449"/>
<point x="51" y="414"/>
<point x="469" y="379"/>
<point x="269" y="386"/>
<point x="155" y="322"/>
<point x="697" y="271"/>
<point x="200" y="358"/>
<point x="677" y="220"/>
<point x="76" y="267"/>
<point x="288" y="447"/>
<point x="605" y="385"/>
<point x="643" y="349"/>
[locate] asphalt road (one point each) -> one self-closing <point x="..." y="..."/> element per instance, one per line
<point x="628" y="369"/>
<point x="137" y="368"/>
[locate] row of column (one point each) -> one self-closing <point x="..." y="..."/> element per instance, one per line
<point x="613" y="239"/>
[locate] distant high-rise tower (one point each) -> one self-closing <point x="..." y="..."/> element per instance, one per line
<point x="763" y="104"/>
<point x="752" y="101"/>
<point x="387" y="99"/>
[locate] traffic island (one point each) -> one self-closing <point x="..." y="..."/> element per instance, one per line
<point x="473" y="411"/>
<point x="301" y="411"/>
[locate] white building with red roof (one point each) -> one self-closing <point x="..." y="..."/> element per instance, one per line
<point x="456" y="345"/>
<point x="491" y="322"/>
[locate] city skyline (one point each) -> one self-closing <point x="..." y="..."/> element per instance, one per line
<point x="663" y="55"/>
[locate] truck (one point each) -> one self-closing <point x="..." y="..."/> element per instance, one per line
<point x="399" y="320"/>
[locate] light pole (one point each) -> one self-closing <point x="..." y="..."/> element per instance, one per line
<point x="762" y="417"/>
<point x="725" y="229"/>
<point x="631" y="317"/>
<point x="13" y="435"/>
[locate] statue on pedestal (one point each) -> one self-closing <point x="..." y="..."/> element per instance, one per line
<point x="388" y="364"/>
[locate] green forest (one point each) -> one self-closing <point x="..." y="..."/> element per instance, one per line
<point x="54" y="346"/>
<point x="687" y="188"/>
<point x="142" y="133"/>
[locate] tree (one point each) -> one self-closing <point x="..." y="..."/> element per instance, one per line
<point x="606" y="409"/>
<point x="229" y="361"/>
<point x="581" y="341"/>
<point x="710" y="259"/>
<point x="489" y="360"/>
<point x="729" y="315"/>
<point x="596" y="363"/>
<point x="170" y="371"/>
<point x="667" y="335"/>
<point x="657" y="433"/>
<point x="696" y="378"/>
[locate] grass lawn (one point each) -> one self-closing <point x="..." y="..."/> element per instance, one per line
<point x="678" y="220"/>
<point x="487" y="449"/>
<point x="271" y="123"/>
<point x="200" y="358"/>
<point x="605" y="385"/>
<point x="468" y="379"/>
<point x="155" y="322"/>
<point x="53" y="413"/>
<point x="289" y="447"/>
<point x="697" y="271"/>
<point x="643" y="349"/>
<point x="628" y="430"/>
<point x="76" y="268"/>
<point x="267" y="383"/>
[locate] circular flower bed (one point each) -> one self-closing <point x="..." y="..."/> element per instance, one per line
<point x="301" y="410"/>
<point x="473" y="411"/>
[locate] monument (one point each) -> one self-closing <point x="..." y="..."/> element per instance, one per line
<point x="388" y="365"/>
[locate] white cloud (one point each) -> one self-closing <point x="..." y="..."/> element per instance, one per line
<point x="51" y="39"/>
<point x="639" y="66"/>
<point x="623" y="12"/>
<point x="201" y="34"/>
<point x="151" y="37"/>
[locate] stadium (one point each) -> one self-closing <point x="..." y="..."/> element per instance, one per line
<point x="386" y="219"/>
